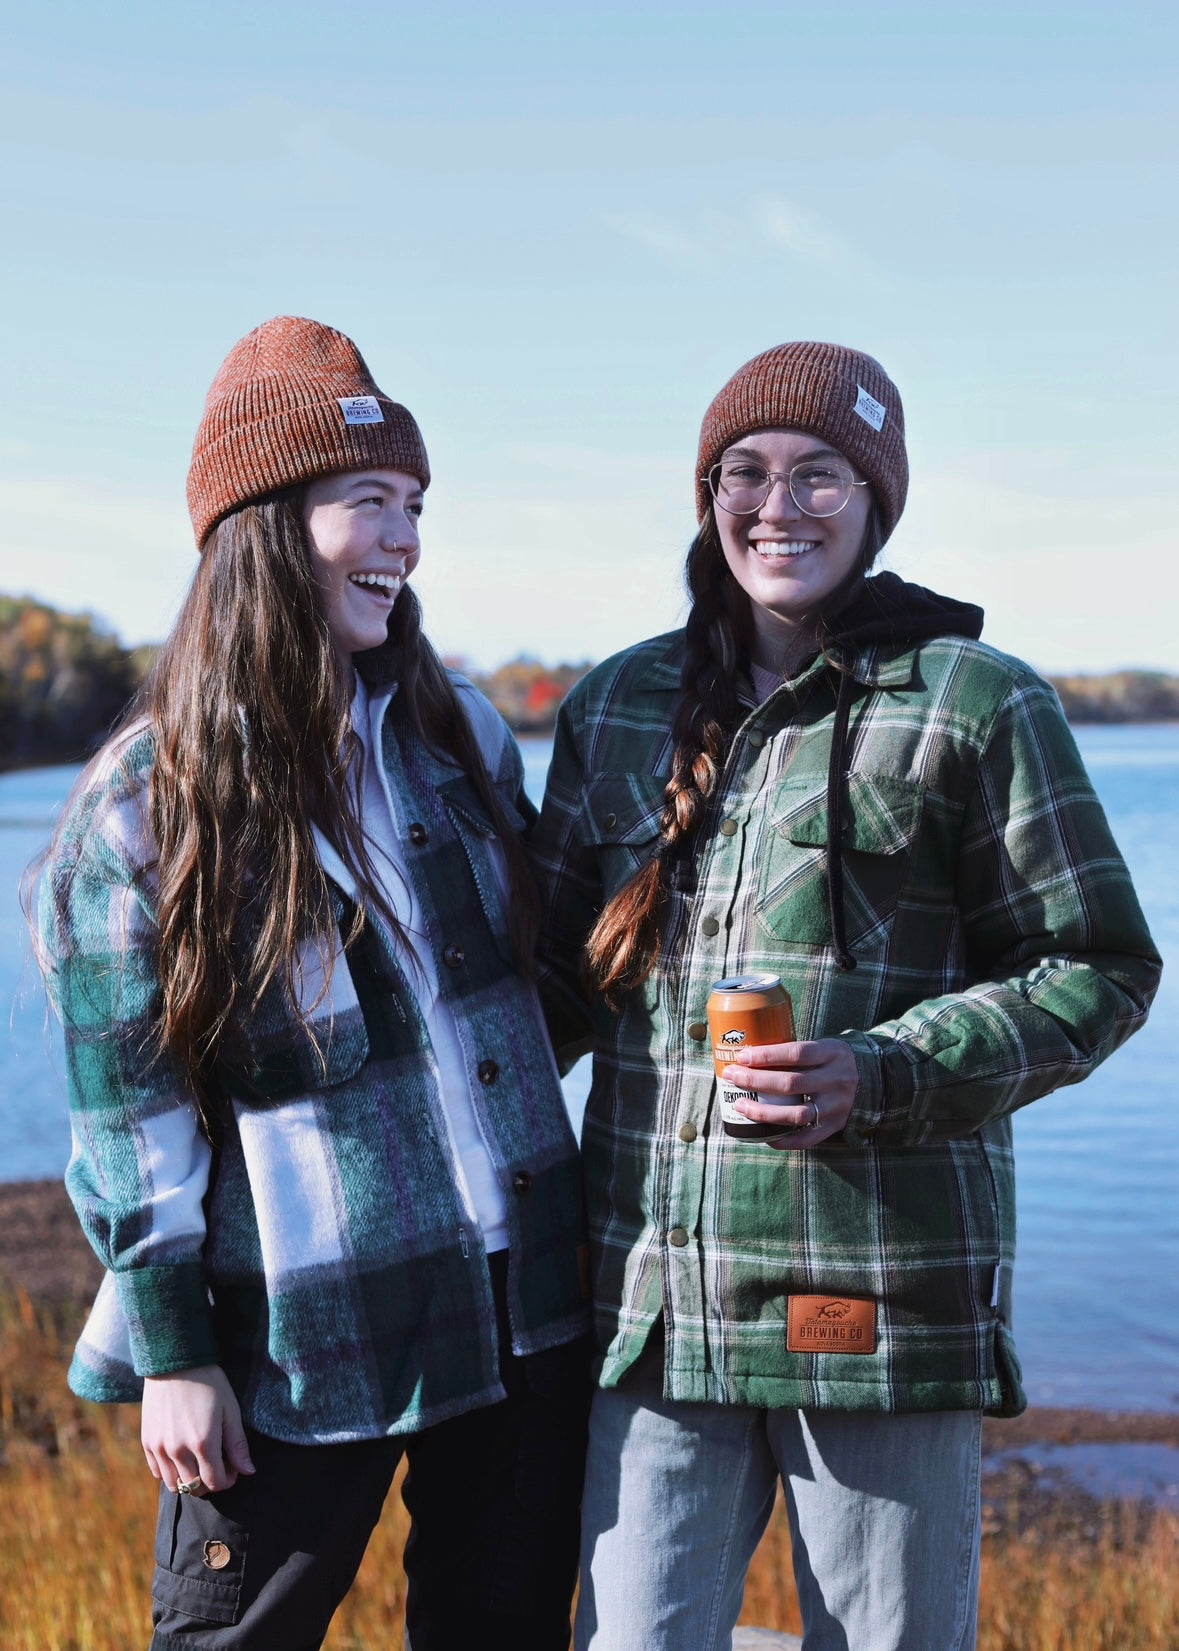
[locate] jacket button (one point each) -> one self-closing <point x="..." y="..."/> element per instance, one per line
<point x="688" y="1133"/>
<point x="678" y="1236"/>
<point x="710" y="926"/>
<point x="698" y="1031"/>
<point x="488" y="1071"/>
<point x="453" y="956"/>
<point x="418" y="834"/>
<point x="756" y="738"/>
<point x="728" y="828"/>
<point x="610" y="821"/>
<point x="521" y="1182"/>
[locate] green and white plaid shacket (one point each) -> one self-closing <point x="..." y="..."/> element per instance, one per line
<point x="1000" y="954"/>
<point x="329" y="1262"/>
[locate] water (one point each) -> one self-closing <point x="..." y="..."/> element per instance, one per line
<point x="1097" y="1302"/>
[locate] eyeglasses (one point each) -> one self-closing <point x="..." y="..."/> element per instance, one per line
<point x="819" y="487"/>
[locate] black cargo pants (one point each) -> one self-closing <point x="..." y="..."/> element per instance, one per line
<point x="494" y="1500"/>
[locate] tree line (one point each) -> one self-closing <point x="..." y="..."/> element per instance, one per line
<point x="65" y="678"/>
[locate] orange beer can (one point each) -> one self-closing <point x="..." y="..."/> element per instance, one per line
<point x="745" y="1012"/>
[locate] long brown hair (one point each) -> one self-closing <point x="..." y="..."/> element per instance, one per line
<point x="624" y="945"/>
<point x="254" y="746"/>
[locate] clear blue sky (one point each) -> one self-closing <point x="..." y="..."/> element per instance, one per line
<point x="554" y="231"/>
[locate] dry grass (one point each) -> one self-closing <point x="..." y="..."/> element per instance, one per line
<point x="77" y="1515"/>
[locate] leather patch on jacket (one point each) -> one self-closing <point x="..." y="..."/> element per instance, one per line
<point x="831" y="1324"/>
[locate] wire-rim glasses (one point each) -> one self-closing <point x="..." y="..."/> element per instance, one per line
<point x="819" y="487"/>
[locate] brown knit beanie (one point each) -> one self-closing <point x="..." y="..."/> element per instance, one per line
<point x="293" y="400"/>
<point x="840" y="395"/>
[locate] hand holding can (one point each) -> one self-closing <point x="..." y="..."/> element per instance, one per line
<point x="746" y="1012"/>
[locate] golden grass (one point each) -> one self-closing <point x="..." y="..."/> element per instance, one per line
<point x="77" y="1516"/>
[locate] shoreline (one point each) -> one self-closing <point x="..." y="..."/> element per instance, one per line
<point x="44" y="1253"/>
<point x="1088" y="717"/>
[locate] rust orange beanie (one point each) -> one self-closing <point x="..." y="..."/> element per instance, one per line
<point x="840" y="395"/>
<point x="293" y="400"/>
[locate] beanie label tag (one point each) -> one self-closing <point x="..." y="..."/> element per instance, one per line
<point x="870" y="410"/>
<point x="366" y="410"/>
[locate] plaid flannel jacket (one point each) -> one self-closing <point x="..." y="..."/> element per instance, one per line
<point x="1000" y="953"/>
<point x="328" y="1261"/>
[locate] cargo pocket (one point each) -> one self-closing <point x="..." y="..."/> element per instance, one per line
<point x="881" y="815"/>
<point x="200" y="1564"/>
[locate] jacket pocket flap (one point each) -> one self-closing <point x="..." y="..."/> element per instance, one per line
<point x="622" y="808"/>
<point x="880" y="814"/>
<point x="287" y="1055"/>
<point x="464" y="805"/>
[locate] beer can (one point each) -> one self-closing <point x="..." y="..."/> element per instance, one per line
<point x="745" y="1012"/>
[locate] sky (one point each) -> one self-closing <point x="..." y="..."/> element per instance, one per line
<point x="554" y="232"/>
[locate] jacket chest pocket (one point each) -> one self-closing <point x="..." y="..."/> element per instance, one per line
<point x="881" y="817"/>
<point x="476" y="834"/>
<point x="619" y="824"/>
<point x="286" y="1057"/>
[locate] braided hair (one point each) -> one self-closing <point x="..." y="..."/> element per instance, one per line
<point x="624" y="945"/>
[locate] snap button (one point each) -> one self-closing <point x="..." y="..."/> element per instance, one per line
<point x="610" y="821"/>
<point x="678" y="1236"/>
<point x="418" y="834"/>
<point x="488" y="1071"/>
<point x="756" y="738"/>
<point x="698" y="1031"/>
<point x="710" y="926"/>
<point x="521" y="1182"/>
<point x="688" y="1132"/>
<point x="217" y="1556"/>
<point x="728" y="828"/>
<point x="453" y="956"/>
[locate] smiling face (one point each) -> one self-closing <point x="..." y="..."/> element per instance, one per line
<point x="362" y="526"/>
<point x="788" y="563"/>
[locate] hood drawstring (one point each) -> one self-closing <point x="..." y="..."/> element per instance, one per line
<point x="836" y="769"/>
<point x="885" y="611"/>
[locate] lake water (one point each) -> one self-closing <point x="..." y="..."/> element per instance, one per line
<point x="1097" y="1284"/>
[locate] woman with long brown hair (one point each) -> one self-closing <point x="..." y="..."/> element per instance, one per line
<point x="319" y="1139"/>
<point x="824" y="778"/>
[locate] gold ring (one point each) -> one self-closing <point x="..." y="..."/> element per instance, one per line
<point x="189" y="1487"/>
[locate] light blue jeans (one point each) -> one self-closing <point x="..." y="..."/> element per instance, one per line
<point x="884" y="1516"/>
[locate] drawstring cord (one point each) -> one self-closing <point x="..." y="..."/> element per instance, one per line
<point x="835" y="773"/>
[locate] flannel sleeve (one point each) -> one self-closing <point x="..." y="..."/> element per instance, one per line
<point x="571" y="898"/>
<point x="140" y="1164"/>
<point x="1062" y="963"/>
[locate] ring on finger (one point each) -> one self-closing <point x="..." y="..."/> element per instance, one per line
<point x="814" y="1106"/>
<point x="189" y="1487"/>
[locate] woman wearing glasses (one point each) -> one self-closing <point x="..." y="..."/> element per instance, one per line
<point x="320" y="1143"/>
<point x="824" y="777"/>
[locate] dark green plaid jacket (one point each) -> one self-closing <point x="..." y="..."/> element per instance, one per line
<point x="1000" y="954"/>
<point x="329" y="1263"/>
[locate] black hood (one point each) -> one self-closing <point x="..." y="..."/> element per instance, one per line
<point x="887" y="609"/>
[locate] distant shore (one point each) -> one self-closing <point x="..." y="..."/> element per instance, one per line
<point x="1122" y="697"/>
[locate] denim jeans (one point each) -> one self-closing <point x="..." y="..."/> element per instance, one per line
<point x="884" y="1517"/>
